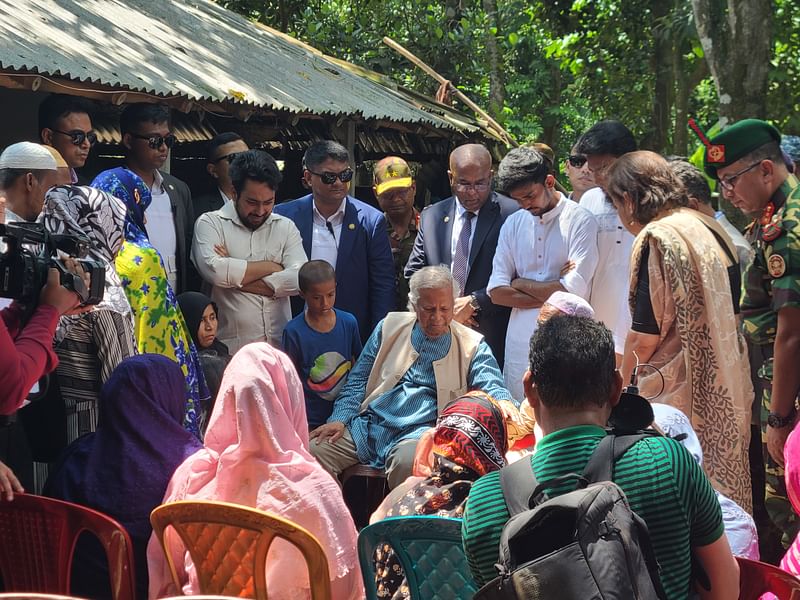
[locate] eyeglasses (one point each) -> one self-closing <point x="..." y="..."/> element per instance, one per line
<point x="576" y="160"/>
<point x="77" y="137"/>
<point x="156" y="141"/>
<point x="479" y="187"/>
<point x="329" y="178"/>
<point x="228" y="157"/>
<point x="729" y="183"/>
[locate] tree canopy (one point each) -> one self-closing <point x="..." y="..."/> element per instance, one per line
<point x="548" y="69"/>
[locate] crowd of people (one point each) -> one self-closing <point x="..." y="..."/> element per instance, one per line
<point x="250" y="352"/>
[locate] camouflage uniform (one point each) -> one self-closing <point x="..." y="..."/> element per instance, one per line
<point x="763" y="296"/>
<point x="401" y="250"/>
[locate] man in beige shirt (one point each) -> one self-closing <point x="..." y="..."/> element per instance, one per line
<point x="250" y="255"/>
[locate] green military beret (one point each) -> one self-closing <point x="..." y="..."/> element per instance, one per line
<point x="738" y="140"/>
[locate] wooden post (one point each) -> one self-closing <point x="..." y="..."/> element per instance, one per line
<point x="478" y="110"/>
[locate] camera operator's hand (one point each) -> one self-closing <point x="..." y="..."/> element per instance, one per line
<point x="9" y="483"/>
<point x="56" y="295"/>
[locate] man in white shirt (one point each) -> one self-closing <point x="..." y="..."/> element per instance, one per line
<point x="222" y="149"/>
<point x="147" y="137"/>
<point x="602" y="144"/>
<point x="250" y="255"/>
<point x="548" y="246"/>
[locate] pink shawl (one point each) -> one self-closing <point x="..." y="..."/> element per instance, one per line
<point x="256" y="454"/>
<point x="791" y="456"/>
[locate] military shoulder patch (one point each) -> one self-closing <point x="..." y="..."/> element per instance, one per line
<point x="776" y="266"/>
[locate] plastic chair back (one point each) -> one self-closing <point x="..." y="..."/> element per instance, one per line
<point x="38" y="541"/>
<point x="757" y="578"/>
<point x="429" y="550"/>
<point x="229" y="544"/>
<point x="35" y="596"/>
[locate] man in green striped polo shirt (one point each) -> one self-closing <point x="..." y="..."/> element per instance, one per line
<point x="572" y="385"/>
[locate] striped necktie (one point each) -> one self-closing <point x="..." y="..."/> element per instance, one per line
<point x="461" y="257"/>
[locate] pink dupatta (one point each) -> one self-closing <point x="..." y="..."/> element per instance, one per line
<point x="256" y="454"/>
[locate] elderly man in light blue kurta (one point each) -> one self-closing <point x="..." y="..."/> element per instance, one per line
<point x="412" y="366"/>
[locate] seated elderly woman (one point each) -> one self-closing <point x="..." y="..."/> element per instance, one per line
<point x="469" y="441"/>
<point x="412" y="366"/>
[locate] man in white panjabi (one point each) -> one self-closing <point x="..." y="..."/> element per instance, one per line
<point x="549" y="245"/>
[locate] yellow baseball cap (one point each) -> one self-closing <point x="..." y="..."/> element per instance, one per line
<point x="390" y="173"/>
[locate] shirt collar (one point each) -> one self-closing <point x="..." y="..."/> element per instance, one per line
<point x="224" y="196"/>
<point x="557" y="438"/>
<point x="460" y="210"/>
<point x="158" y="180"/>
<point x="552" y="214"/>
<point x="336" y="218"/>
<point x="779" y="197"/>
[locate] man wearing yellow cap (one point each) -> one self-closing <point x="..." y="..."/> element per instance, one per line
<point x="395" y="189"/>
<point x="746" y="160"/>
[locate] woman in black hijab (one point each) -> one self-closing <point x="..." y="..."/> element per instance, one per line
<point x="200" y="314"/>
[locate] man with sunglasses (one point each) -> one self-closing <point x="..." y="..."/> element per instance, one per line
<point x="580" y="176"/>
<point x="746" y="160"/>
<point x="349" y="234"/>
<point x="222" y="149"/>
<point x="66" y="125"/>
<point x="600" y="146"/>
<point x="147" y="139"/>
<point x="461" y="232"/>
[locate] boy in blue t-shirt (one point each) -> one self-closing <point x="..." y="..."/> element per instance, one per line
<point x="323" y="342"/>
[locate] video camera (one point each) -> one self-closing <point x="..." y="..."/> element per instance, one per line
<point x="23" y="272"/>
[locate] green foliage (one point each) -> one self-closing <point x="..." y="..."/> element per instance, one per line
<point x="565" y="63"/>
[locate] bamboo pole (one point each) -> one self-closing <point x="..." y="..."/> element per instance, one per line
<point x="478" y="110"/>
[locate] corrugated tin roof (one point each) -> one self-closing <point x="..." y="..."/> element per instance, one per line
<point x="198" y="50"/>
<point x="187" y="128"/>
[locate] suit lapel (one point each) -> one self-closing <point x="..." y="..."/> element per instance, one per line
<point x="305" y="224"/>
<point x="348" y="235"/>
<point x="446" y="220"/>
<point x="486" y="218"/>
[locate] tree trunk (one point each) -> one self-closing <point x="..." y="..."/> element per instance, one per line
<point x="497" y="87"/>
<point x="736" y="36"/>
<point x="663" y="84"/>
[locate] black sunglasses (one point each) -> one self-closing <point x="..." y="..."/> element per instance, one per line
<point x="156" y="141"/>
<point x="576" y="160"/>
<point x="328" y="178"/>
<point x="77" y="137"/>
<point x="228" y="157"/>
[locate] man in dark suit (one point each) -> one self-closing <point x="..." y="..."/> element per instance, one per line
<point x="146" y="135"/>
<point x="461" y="232"/>
<point x="346" y="232"/>
<point x="222" y="148"/>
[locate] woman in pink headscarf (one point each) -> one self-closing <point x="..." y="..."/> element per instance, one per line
<point x="791" y="456"/>
<point x="256" y="454"/>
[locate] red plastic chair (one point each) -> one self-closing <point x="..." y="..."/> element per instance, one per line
<point x="756" y="578"/>
<point x="38" y="540"/>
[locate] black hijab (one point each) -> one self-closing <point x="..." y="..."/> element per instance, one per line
<point x="193" y="305"/>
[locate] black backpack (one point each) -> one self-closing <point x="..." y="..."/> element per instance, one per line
<point x="586" y="544"/>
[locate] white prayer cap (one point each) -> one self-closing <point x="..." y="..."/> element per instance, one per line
<point x="27" y="155"/>
<point x="570" y="304"/>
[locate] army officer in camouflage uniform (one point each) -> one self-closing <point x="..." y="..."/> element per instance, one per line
<point x="747" y="161"/>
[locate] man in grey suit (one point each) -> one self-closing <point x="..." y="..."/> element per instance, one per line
<point x="147" y="137"/>
<point x="461" y="232"/>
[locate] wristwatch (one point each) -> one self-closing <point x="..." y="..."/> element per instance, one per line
<point x="473" y="303"/>
<point x="776" y="421"/>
